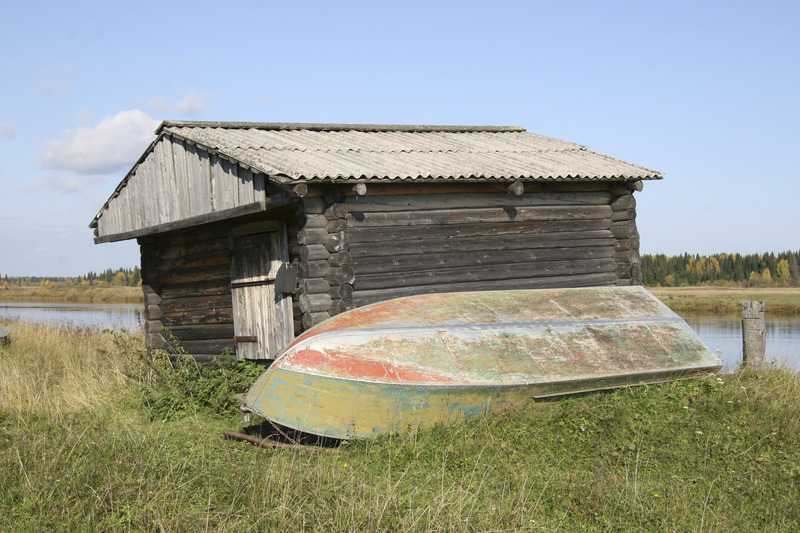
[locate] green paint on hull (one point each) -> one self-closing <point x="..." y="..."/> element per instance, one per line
<point x="392" y="367"/>
<point x="352" y="409"/>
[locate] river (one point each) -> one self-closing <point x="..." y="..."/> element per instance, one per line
<point x="722" y="333"/>
<point x="129" y="317"/>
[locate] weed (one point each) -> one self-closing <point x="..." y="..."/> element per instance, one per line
<point x="171" y="383"/>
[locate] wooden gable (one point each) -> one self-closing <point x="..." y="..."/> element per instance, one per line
<point x="176" y="185"/>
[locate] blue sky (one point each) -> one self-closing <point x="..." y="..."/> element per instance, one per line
<point x="706" y="92"/>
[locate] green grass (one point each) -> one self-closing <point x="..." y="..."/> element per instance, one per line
<point x="97" y="453"/>
<point x="728" y="300"/>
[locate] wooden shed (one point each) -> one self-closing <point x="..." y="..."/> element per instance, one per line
<point x="251" y="233"/>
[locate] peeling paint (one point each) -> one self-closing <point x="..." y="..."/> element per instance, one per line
<point x="422" y="360"/>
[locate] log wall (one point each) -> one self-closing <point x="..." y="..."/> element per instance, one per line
<point x="186" y="280"/>
<point x="354" y="249"/>
<point x="559" y="235"/>
<point x="626" y="236"/>
<point x="321" y="248"/>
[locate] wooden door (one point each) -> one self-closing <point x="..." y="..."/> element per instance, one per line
<point x="262" y="316"/>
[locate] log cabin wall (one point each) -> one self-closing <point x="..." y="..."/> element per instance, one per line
<point x="186" y="280"/>
<point x="450" y="238"/>
<point x="626" y="235"/>
<point x="396" y="241"/>
<point x="325" y="265"/>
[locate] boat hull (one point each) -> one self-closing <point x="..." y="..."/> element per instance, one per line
<point x="409" y="363"/>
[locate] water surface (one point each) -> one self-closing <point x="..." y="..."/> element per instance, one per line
<point x="129" y="317"/>
<point x="722" y="333"/>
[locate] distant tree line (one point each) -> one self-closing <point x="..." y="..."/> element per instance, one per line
<point x="754" y="270"/>
<point x="121" y="277"/>
<point x="659" y="270"/>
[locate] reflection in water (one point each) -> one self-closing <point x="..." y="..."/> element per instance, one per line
<point x="128" y="317"/>
<point x="723" y="334"/>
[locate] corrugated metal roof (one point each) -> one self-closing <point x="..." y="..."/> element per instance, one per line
<point x="309" y="152"/>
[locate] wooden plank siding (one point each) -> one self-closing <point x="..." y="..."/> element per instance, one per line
<point x="177" y="181"/>
<point x="262" y="315"/>
<point x="411" y="244"/>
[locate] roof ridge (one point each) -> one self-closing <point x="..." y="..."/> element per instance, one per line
<point x="334" y="127"/>
<point x="575" y="148"/>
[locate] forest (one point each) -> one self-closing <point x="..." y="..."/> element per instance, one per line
<point x="121" y="277"/>
<point x="658" y="270"/>
<point x="753" y="270"/>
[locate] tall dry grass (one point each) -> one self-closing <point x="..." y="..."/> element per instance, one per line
<point x="78" y="293"/>
<point x="56" y="369"/>
<point x="715" y="454"/>
<point x="779" y="301"/>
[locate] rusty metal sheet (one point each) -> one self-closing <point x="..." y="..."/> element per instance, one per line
<point x="417" y="361"/>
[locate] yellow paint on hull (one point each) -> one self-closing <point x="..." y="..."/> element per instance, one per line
<point x="347" y="409"/>
<point x="395" y="367"/>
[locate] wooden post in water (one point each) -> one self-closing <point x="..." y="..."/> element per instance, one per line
<point x="754" y="337"/>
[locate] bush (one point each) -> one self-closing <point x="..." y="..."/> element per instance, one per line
<point x="173" y="384"/>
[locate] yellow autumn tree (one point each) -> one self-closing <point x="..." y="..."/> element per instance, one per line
<point x="784" y="272"/>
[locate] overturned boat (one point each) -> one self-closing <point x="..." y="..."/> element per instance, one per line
<point x="402" y="364"/>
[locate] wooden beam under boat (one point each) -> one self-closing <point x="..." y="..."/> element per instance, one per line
<point x="402" y="364"/>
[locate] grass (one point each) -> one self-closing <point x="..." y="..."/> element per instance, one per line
<point x="778" y="301"/>
<point x="83" y="446"/>
<point x="76" y="294"/>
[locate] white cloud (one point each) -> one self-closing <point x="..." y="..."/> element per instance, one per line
<point x="192" y="103"/>
<point x="116" y="142"/>
<point x="7" y="129"/>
